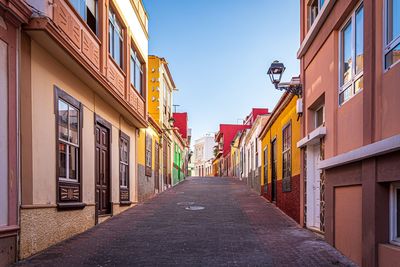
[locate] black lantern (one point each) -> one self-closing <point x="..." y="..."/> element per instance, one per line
<point x="275" y="72"/>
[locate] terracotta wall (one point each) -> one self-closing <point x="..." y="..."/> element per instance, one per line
<point x="348" y="221"/>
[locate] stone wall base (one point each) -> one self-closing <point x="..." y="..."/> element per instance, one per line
<point x="43" y="227"/>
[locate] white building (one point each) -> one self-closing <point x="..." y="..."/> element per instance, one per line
<point x="203" y="154"/>
<point x="252" y="146"/>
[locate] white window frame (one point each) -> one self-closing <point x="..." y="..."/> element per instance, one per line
<point x="354" y="76"/>
<point x="315" y="116"/>
<point x="394" y="236"/>
<point x="392" y="44"/>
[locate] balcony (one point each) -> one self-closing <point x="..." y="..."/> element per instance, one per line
<point x="65" y="35"/>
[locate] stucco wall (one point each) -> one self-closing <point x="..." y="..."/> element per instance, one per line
<point x="348" y="221"/>
<point x="47" y="72"/>
<point x="41" y="223"/>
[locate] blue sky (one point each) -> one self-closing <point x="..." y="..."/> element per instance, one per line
<point x="219" y="51"/>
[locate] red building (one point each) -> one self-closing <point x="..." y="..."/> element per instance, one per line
<point x="253" y="115"/>
<point x="224" y="138"/>
<point x="181" y="122"/>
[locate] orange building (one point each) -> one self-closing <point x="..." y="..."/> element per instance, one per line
<point x="350" y="133"/>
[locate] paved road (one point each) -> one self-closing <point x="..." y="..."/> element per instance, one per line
<point x="236" y="228"/>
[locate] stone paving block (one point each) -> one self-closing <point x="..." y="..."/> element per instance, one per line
<point x="236" y="228"/>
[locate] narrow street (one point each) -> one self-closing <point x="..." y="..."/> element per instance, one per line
<point x="236" y="228"/>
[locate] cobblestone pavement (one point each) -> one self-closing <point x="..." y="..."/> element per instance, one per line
<point x="236" y="228"/>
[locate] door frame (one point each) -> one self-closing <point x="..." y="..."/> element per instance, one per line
<point x="98" y="120"/>
<point x="274" y="174"/>
<point x="157" y="166"/>
<point x="312" y="151"/>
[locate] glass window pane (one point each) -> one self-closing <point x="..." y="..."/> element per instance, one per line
<point x="319" y="120"/>
<point x="62" y="160"/>
<point x="79" y="6"/>
<point x="73" y="163"/>
<point x="345" y="95"/>
<point x="359" y="39"/>
<point x="393" y="56"/>
<point x="73" y="125"/>
<point x="347" y="58"/>
<point x="393" y="19"/>
<point x="62" y="120"/>
<point x="138" y="77"/>
<point x="91" y="6"/>
<point x="132" y="68"/>
<point x="91" y="14"/>
<point x="117" y="49"/>
<point x="110" y="38"/>
<point x="359" y="84"/>
<point x="121" y="53"/>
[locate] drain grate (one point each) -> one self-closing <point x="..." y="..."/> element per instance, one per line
<point x="194" y="208"/>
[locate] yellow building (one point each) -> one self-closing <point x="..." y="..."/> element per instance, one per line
<point x="281" y="158"/>
<point x="148" y="160"/>
<point x="159" y="98"/>
<point x="235" y="156"/>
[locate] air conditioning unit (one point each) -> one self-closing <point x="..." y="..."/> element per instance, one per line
<point x="299" y="106"/>
<point x="153" y="70"/>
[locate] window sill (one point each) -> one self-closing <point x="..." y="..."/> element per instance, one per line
<point x="71" y="206"/>
<point x="125" y="203"/>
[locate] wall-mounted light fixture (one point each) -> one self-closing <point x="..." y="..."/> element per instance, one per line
<point x="275" y="72"/>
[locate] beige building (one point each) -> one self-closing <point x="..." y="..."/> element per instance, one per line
<point x="83" y="101"/>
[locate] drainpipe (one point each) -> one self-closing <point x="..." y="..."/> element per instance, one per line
<point x="17" y="99"/>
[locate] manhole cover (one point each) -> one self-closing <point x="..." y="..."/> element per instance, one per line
<point x="194" y="208"/>
<point x="185" y="203"/>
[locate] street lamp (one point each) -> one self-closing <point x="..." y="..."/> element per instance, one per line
<point x="275" y="72"/>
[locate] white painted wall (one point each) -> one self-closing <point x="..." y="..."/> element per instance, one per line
<point x="138" y="33"/>
<point x="203" y="152"/>
<point x="3" y="135"/>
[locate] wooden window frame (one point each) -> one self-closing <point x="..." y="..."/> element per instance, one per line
<point x="148" y="154"/>
<point x="115" y="20"/>
<point x="135" y="57"/>
<point x="287" y="164"/>
<point x="124" y="191"/>
<point x="68" y="193"/>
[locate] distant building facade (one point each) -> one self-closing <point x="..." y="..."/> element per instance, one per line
<point x="203" y="153"/>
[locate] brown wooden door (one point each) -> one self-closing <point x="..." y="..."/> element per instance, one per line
<point x="102" y="170"/>
<point x="157" y="167"/>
